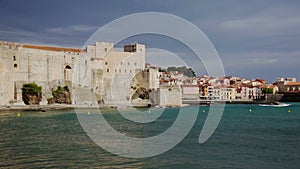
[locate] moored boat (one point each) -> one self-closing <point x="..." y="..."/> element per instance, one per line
<point x="275" y="104"/>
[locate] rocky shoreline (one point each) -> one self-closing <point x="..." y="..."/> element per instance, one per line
<point x="71" y="106"/>
<point x="65" y="107"/>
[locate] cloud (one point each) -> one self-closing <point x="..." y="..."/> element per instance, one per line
<point x="40" y="38"/>
<point x="163" y="58"/>
<point x="264" y="61"/>
<point x="263" y="64"/>
<point x="276" y="20"/>
<point x="263" y="25"/>
<point x="260" y="58"/>
<point x="17" y="33"/>
<point x="72" y="29"/>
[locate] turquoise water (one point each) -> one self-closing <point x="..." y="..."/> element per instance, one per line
<point x="266" y="137"/>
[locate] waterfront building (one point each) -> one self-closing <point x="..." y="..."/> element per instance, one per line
<point x="45" y="65"/>
<point x="190" y="92"/>
<point x="281" y="82"/>
<point x="292" y="87"/>
<point x="101" y="69"/>
<point x="203" y="91"/>
<point x="228" y="93"/>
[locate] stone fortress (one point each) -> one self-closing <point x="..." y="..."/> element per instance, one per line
<point x="110" y="75"/>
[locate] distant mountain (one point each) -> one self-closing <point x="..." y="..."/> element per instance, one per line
<point x="186" y="71"/>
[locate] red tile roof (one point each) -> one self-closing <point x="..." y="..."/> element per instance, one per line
<point x="293" y="84"/>
<point x="53" y="48"/>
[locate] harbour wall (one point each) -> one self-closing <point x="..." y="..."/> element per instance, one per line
<point x="287" y="97"/>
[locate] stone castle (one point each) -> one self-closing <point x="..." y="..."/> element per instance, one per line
<point x="109" y="74"/>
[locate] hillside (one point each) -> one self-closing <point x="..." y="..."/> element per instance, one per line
<point x="186" y="71"/>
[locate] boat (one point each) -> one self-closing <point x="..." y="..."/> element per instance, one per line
<point x="275" y="104"/>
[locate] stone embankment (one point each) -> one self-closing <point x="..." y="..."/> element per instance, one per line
<point x="287" y="97"/>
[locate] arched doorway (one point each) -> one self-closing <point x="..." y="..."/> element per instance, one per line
<point x="68" y="73"/>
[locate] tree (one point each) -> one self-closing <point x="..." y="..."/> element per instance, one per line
<point x="268" y="90"/>
<point x="61" y="95"/>
<point x="186" y="71"/>
<point x="31" y="93"/>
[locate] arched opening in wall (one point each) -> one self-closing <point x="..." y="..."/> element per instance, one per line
<point x="68" y="73"/>
<point x="15" y="65"/>
<point x="68" y="67"/>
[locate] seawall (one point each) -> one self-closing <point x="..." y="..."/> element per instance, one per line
<point x="287" y="97"/>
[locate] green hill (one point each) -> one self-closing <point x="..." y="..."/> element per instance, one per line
<point x="186" y="71"/>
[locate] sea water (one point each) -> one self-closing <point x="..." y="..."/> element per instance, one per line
<point x="248" y="136"/>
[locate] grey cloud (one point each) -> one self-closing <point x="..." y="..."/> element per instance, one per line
<point x="73" y="29"/>
<point x="263" y="26"/>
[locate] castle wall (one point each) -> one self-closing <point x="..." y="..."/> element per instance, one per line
<point x="169" y="96"/>
<point x="99" y="70"/>
<point x="119" y="69"/>
<point x="22" y="64"/>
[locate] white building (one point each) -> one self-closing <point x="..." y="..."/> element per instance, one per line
<point x="227" y="93"/>
<point x="190" y="91"/>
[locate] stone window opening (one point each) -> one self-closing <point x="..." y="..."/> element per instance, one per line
<point x="15" y="65"/>
<point x="105" y="63"/>
<point x="107" y="70"/>
<point x="105" y="49"/>
<point x="14" y="57"/>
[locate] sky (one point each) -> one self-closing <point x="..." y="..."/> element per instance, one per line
<point x="254" y="39"/>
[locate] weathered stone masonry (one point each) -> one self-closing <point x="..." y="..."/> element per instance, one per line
<point x="107" y="72"/>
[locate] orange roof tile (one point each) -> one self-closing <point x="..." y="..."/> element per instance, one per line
<point x="53" y="48"/>
<point x="293" y="84"/>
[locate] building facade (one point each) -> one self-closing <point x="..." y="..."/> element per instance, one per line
<point x="99" y="68"/>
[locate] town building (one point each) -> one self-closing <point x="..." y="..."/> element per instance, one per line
<point x="281" y="82"/>
<point x="167" y="96"/>
<point x="190" y="92"/>
<point x="292" y="87"/>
